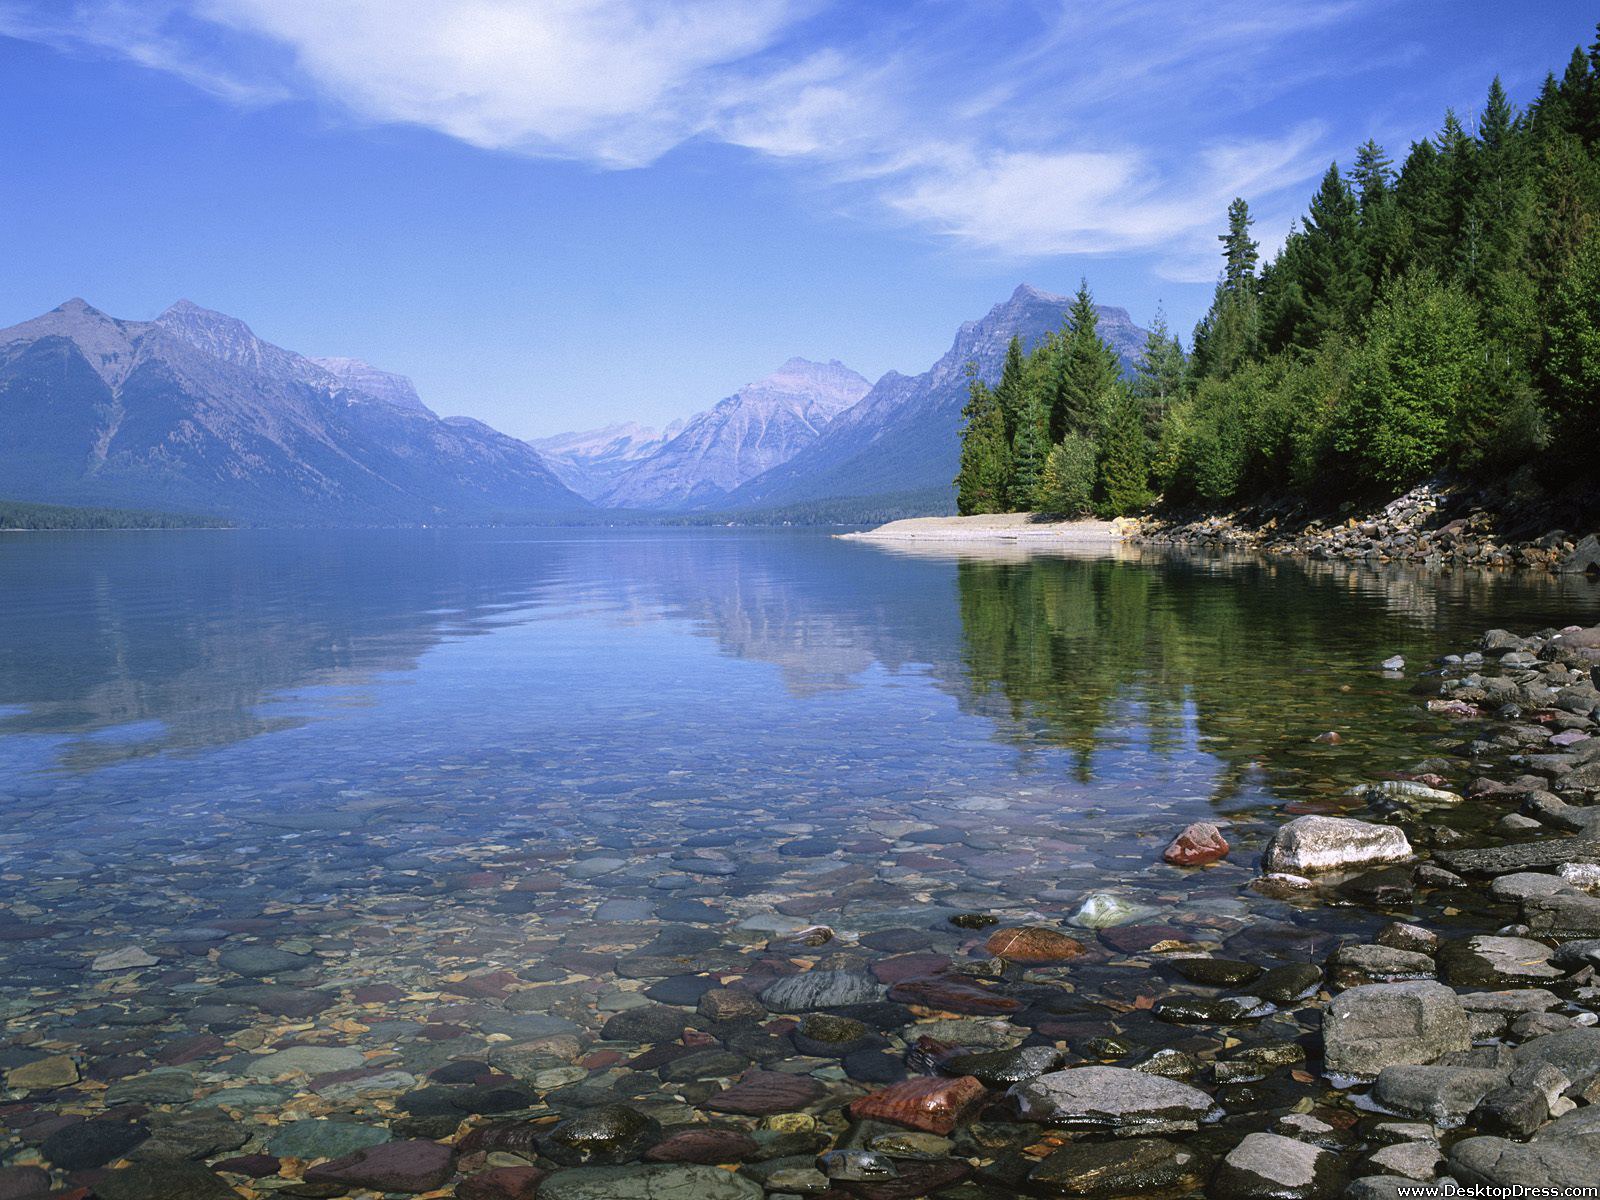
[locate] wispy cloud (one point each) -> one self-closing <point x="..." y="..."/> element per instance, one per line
<point x="1019" y="128"/>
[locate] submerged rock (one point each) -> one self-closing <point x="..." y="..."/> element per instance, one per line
<point x="648" y="1183"/>
<point x="1105" y="909"/>
<point x="1033" y="944"/>
<point x="933" y="1105"/>
<point x="1134" y="1167"/>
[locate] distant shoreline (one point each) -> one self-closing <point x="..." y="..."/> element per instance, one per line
<point x="1028" y="529"/>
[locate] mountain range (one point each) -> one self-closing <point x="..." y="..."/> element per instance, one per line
<point x="192" y="412"/>
<point x="761" y="426"/>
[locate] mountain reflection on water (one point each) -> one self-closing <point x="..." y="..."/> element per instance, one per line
<point x="127" y="646"/>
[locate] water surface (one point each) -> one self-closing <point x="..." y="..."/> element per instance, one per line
<point x="588" y="761"/>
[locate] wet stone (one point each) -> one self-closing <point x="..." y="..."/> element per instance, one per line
<point x="1287" y="984"/>
<point x="1215" y="972"/>
<point x="261" y="962"/>
<point x="1033" y="944"/>
<point x="760" y="1093"/>
<point x="701" y="1145"/>
<point x="323" y="1139"/>
<point x="651" y="1182"/>
<point x="820" y="989"/>
<point x="602" y="1136"/>
<point x="163" y="1181"/>
<point x="92" y="1143"/>
<point x="1113" y="1099"/>
<point x="949" y="994"/>
<point x="1489" y="961"/>
<point x="652" y="1023"/>
<point x="408" y="1167"/>
<point x="1001" y="1068"/>
<point x="824" y="1035"/>
<point x="1267" y="1166"/>
<point x="1132" y="1167"/>
<point x="929" y="1104"/>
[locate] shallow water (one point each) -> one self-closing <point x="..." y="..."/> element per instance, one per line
<point x="417" y="757"/>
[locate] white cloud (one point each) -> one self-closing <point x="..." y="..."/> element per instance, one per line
<point x="1019" y="128"/>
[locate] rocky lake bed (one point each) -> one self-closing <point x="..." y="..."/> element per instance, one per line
<point x="1385" y="980"/>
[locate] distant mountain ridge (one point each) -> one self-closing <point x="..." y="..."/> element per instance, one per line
<point x="193" y="411"/>
<point x="762" y="425"/>
<point x="589" y="461"/>
<point x="904" y="435"/>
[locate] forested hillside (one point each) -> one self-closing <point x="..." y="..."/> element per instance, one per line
<point x="1439" y="316"/>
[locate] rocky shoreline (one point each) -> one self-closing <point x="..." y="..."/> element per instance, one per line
<point x="1421" y="1008"/>
<point x="1433" y="525"/>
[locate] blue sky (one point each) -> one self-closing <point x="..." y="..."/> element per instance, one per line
<point x="559" y="213"/>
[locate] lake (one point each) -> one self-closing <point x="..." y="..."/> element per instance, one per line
<point x="432" y="810"/>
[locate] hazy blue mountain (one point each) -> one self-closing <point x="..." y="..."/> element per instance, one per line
<point x="589" y="461"/>
<point x="192" y="412"/>
<point x="365" y="379"/>
<point x="760" y="426"/>
<point x="904" y="435"/>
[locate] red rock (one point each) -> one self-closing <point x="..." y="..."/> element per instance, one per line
<point x="601" y="1059"/>
<point x="705" y="1146"/>
<point x="377" y="993"/>
<point x="407" y="1167"/>
<point x="1197" y="845"/>
<point x="909" y="966"/>
<point x="762" y="1093"/>
<point x="932" y="1105"/>
<point x="188" y="1049"/>
<point x="949" y="994"/>
<point x="502" y="1183"/>
<point x="1331" y="738"/>
<point x="1033" y="944"/>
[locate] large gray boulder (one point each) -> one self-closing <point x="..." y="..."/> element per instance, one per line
<point x="1113" y="1099"/>
<point x="1444" y="1095"/>
<point x="1560" y="1155"/>
<point x="1307" y="845"/>
<point x="1385" y="1024"/>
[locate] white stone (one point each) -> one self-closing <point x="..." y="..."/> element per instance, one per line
<point x="1310" y="844"/>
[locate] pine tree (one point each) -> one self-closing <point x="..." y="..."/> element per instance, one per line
<point x="1086" y="371"/>
<point x="1158" y="377"/>
<point x="1009" y="391"/>
<point x="1124" y="471"/>
<point x="1029" y="449"/>
<point x="1240" y="254"/>
<point x="1572" y="359"/>
<point x="1378" y="214"/>
<point x="1336" y="291"/>
<point x="981" y="481"/>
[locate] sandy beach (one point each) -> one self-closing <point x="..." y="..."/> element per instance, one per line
<point x="996" y="528"/>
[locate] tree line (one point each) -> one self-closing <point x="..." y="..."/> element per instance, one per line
<point x="1439" y="316"/>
